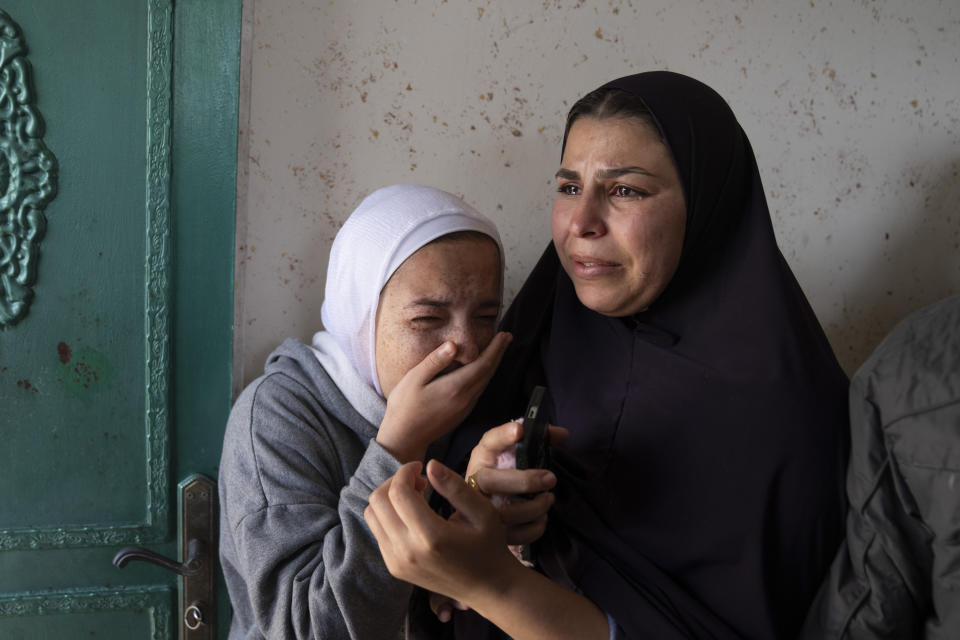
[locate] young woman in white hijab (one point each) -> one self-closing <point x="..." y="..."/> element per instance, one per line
<point x="411" y="306"/>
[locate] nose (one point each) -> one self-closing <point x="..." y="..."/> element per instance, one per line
<point x="466" y="339"/>
<point x="586" y="219"/>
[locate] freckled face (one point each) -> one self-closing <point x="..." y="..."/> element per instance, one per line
<point x="447" y="290"/>
<point x="619" y="215"/>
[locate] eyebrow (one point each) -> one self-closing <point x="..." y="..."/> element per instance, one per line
<point x="440" y="304"/>
<point x="605" y="174"/>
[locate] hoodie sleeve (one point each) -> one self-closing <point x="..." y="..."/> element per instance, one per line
<point x="294" y="538"/>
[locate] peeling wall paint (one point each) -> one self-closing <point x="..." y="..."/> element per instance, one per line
<point x="853" y="109"/>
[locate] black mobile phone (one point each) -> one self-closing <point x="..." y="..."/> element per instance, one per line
<point x="533" y="449"/>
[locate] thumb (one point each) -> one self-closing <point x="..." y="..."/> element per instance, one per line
<point x="435" y="362"/>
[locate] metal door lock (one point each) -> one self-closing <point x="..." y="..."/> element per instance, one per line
<point x="193" y="616"/>
<point x="198" y="552"/>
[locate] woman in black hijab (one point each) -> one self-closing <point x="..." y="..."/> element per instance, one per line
<point x="700" y="492"/>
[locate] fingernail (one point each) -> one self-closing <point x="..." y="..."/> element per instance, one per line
<point x="548" y="479"/>
<point x="439" y="470"/>
<point x="446" y="349"/>
<point x="444" y="615"/>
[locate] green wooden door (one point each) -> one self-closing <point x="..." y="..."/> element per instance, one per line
<point x="118" y="133"/>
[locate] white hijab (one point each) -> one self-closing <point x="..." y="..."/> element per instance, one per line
<point x="387" y="228"/>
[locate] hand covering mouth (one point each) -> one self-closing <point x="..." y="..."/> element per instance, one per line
<point x="450" y="368"/>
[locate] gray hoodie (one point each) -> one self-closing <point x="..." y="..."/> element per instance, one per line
<point x="298" y="465"/>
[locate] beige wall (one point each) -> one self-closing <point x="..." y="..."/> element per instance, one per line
<point x="852" y="106"/>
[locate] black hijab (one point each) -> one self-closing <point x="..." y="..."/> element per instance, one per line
<point x="700" y="494"/>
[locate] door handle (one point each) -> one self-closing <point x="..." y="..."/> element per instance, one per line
<point x="189" y="567"/>
<point x="197" y="582"/>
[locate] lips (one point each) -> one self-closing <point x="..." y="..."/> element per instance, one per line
<point x="585" y="266"/>
<point x="595" y="263"/>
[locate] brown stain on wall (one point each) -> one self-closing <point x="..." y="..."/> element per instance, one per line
<point x="63" y="350"/>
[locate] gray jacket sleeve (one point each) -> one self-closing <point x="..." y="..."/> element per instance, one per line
<point x="309" y="564"/>
<point x="873" y="589"/>
<point x="898" y="572"/>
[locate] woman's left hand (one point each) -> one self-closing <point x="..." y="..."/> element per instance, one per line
<point x="459" y="557"/>
<point x="526" y="519"/>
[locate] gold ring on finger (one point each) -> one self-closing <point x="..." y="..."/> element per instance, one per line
<point x="474" y="484"/>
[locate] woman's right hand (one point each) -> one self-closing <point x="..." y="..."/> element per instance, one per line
<point x="524" y="519"/>
<point x="424" y="407"/>
<point x="465" y="558"/>
<point x="454" y="556"/>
